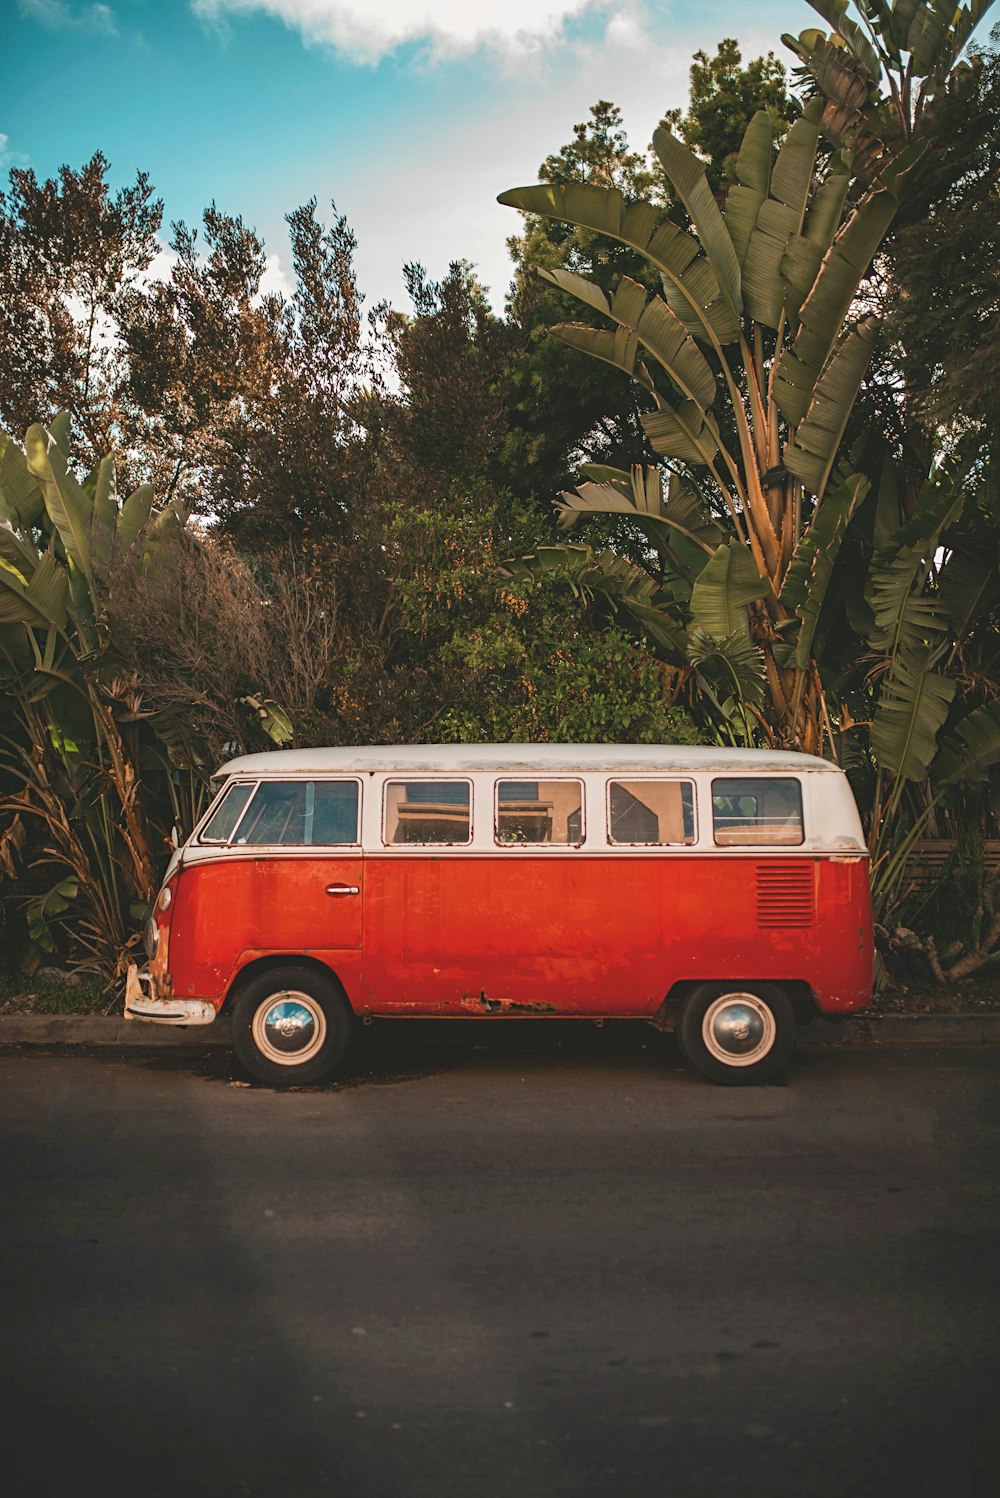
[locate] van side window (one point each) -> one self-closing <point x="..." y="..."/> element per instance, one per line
<point x="428" y="811"/>
<point x="655" y="812"/>
<point x="753" y="813"/>
<point x="220" y="825"/>
<point x="539" y="811"/>
<point x="301" y="814"/>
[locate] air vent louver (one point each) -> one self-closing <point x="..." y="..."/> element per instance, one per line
<point x="785" y="896"/>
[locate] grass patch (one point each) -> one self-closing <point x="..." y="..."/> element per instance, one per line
<point x="52" y="992"/>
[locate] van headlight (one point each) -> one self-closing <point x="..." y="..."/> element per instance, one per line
<point x="151" y="937"/>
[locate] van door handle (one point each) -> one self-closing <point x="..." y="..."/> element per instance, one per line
<point x="343" y="889"/>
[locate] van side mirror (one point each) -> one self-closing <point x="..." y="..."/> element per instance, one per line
<point x="175" y="841"/>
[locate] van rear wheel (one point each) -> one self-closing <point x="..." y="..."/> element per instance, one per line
<point x="291" y="1025"/>
<point x="737" y="1034"/>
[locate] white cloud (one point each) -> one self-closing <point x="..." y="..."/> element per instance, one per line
<point x="368" y="30"/>
<point x="59" y="15"/>
<point x="276" y="279"/>
<point x="450" y="211"/>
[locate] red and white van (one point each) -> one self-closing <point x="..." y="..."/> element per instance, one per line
<point x="721" y="893"/>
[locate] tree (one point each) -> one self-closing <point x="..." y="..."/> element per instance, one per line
<point x="724" y="98"/>
<point x="71" y="257"/>
<point x="755" y="311"/>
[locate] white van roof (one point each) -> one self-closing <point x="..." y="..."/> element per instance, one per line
<point x="521" y="759"/>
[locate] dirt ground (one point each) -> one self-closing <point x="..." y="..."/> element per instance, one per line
<point x="914" y="993"/>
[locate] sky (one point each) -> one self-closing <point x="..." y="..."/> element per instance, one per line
<point x="410" y="115"/>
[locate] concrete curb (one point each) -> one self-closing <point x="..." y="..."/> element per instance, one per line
<point x="112" y="1030"/>
<point x="905" y="1029"/>
<point x="105" y="1030"/>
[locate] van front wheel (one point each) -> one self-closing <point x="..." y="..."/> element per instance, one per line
<point x="291" y="1026"/>
<point x="738" y="1034"/>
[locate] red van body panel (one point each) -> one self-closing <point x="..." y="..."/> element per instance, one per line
<point x="515" y="933"/>
<point x="229" y="911"/>
<point x="588" y="935"/>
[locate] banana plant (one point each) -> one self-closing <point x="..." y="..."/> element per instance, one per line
<point x="751" y="361"/>
<point x="875" y="75"/>
<point x="83" y="753"/>
<point x="72" y="757"/>
<point x="930" y="600"/>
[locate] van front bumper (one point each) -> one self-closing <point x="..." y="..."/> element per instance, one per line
<point x="143" y="1002"/>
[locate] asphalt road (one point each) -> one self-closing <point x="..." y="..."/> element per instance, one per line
<point x="542" y="1262"/>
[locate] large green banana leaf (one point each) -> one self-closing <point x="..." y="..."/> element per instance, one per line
<point x="689" y="280"/>
<point x="834" y="12"/>
<point x="613" y="346"/>
<point x="905" y="617"/>
<point x="803" y="254"/>
<point x="912" y="707"/>
<point x="822" y="313"/>
<point x="810" y="456"/>
<point x="104" y="515"/>
<point x="971" y="748"/>
<point x="685" y="433"/>
<point x="809" y="572"/>
<point x="676" y="524"/>
<point x="970" y="582"/>
<point x="134" y="515"/>
<point x="686" y="173"/>
<point x="654" y="325"/>
<point x="723" y="589"/>
<point x="753" y="182"/>
<point x="781" y="215"/>
<point x="68" y="505"/>
<point x="41" y="600"/>
<point x="20" y="492"/>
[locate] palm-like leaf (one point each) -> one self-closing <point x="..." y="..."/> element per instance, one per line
<point x="811" y="568"/>
<point x="21" y="500"/>
<point x="781" y="215"/>
<point x="912" y="707"/>
<point x="723" y="589"/>
<point x="822" y="313"/>
<point x="67" y="503"/>
<point x="834" y="12"/>
<point x="639" y="495"/>
<point x="105" y="512"/>
<point x="134" y="515"/>
<point x="653" y="325"/>
<point x="687" y="175"/>
<point x="818" y="436"/>
<point x="753" y="181"/>
<point x="971" y="748"/>
<point x="40" y="600"/>
<point x="689" y="280"/>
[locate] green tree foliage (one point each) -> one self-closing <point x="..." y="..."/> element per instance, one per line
<point x="942" y="288"/>
<point x="71" y="254"/>
<point x="723" y="100"/>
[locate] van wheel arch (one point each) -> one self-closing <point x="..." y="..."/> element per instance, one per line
<point x="259" y="965"/>
<point x="796" y="991"/>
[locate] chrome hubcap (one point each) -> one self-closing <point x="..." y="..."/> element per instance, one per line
<point x="289" y="1028"/>
<point x="738" y="1029"/>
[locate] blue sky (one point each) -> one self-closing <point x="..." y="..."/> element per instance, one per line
<point x="411" y="114"/>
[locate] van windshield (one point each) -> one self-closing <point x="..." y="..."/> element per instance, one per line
<point x="290" y="813"/>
